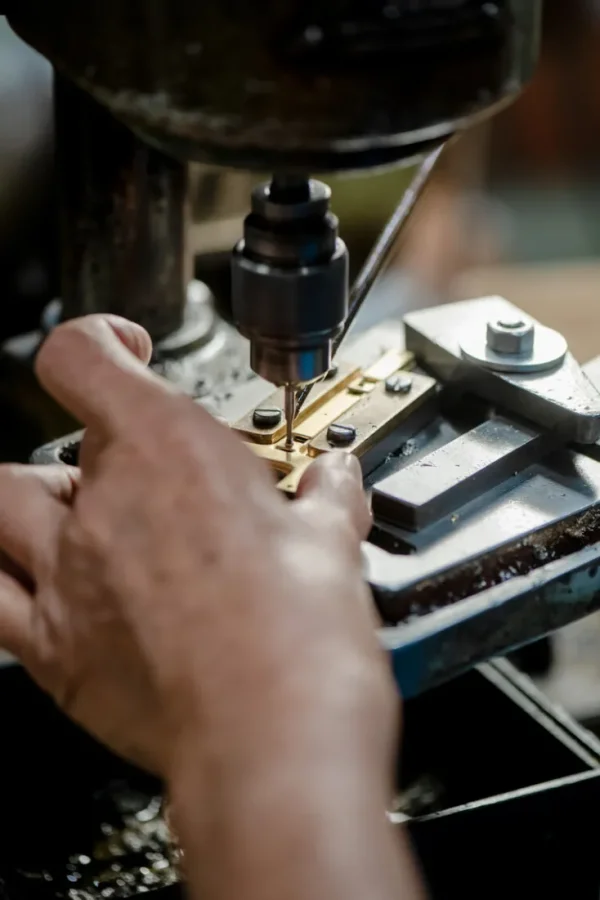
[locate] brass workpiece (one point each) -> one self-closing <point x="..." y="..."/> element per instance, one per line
<point x="324" y="391"/>
<point x="355" y="400"/>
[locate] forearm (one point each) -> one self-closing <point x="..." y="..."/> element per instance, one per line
<point x="290" y="829"/>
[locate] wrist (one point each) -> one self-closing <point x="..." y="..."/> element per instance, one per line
<point x="290" y="827"/>
<point x="297" y="810"/>
<point x="252" y="771"/>
<point x="349" y="712"/>
<point x="242" y="748"/>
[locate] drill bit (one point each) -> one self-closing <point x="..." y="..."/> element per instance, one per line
<point x="290" y="415"/>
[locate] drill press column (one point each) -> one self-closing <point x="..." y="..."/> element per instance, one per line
<point x="123" y="208"/>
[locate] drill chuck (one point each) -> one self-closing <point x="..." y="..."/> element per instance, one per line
<point x="290" y="281"/>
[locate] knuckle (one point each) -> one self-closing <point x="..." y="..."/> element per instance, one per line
<point x="89" y="528"/>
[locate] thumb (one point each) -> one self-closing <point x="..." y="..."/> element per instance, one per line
<point x="135" y="338"/>
<point x="332" y="486"/>
<point x="95" y="367"/>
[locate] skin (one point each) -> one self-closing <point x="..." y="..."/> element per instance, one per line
<point x="180" y="609"/>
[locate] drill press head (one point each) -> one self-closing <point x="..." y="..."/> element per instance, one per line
<point x="290" y="85"/>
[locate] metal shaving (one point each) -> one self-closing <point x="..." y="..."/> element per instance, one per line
<point x="134" y="852"/>
<point x="423" y="796"/>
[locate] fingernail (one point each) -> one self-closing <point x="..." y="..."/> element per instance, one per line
<point x="133" y="336"/>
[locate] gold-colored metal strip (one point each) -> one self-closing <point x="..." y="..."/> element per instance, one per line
<point x="374" y="416"/>
<point x="389" y="363"/>
<point x="290" y="466"/>
<point x="328" y="413"/>
<point x="335" y="395"/>
<point x="322" y="393"/>
<point x="354" y="397"/>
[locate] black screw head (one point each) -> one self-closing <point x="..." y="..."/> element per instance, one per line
<point x="341" y="435"/>
<point x="400" y="383"/>
<point x="267" y="417"/>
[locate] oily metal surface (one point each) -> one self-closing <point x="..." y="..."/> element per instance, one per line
<point x="441" y="482"/>
<point x="442" y="643"/>
<point x="545" y="495"/>
<point x="292" y="83"/>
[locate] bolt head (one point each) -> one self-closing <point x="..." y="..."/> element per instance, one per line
<point x="341" y="435"/>
<point x="267" y="417"/>
<point x="514" y="337"/>
<point x="400" y="383"/>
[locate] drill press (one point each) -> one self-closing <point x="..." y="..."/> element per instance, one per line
<point x="293" y="88"/>
<point x="296" y="87"/>
<point x="287" y="86"/>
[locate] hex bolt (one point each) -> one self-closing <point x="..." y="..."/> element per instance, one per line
<point x="267" y="417"/>
<point x="341" y="435"/>
<point x="514" y="337"/>
<point x="400" y="383"/>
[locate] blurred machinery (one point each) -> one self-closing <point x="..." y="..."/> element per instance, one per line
<point x="476" y="429"/>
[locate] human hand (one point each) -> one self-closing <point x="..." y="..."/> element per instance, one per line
<point x="168" y="583"/>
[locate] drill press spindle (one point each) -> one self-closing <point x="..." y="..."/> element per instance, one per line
<point x="290" y="284"/>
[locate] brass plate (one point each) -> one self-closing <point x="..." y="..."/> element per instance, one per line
<point x="291" y="466"/>
<point x="374" y="413"/>
<point x="320" y="394"/>
<point x="328" y="413"/>
<point x="389" y="363"/>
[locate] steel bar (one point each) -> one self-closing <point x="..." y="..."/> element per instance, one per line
<point x="437" y="485"/>
<point x="382" y="249"/>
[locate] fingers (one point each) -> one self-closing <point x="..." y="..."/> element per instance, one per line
<point x="96" y="368"/>
<point x="15" y="615"/>
<point x="33" y="501"/>
<point x="331" y="486"/>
